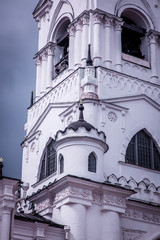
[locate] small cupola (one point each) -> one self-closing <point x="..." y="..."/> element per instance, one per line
<point x="80" y="149"/>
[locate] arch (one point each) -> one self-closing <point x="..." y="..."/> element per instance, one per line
<point x="92" y="162"/>
<point x="142" y="151"/>
<point x="55" y="21"/>
<point x="133" y="132"/>
<point x="61" y="163"/>
<point x="47" y="164"/>
<point x="121" y="5"/>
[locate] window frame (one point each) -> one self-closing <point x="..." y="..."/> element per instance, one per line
<point x="137" y="148"/>
<point x="44" y="173"/>
<point x="92" y="163"/>
<point x="61" y="161"/>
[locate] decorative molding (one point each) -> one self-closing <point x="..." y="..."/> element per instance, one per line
<point x="43" y="205"/>
<point x="142" y="215"/>
<point x="97" y="18"/>
<point x="127" y="84"/>
<point x="73" y="192"/>
<point x="112" y="116"/>
<point x="131" y="234"/>
<point x="114" y="200"/>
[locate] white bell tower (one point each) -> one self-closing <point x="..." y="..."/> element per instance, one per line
<point x="98" y="59"/>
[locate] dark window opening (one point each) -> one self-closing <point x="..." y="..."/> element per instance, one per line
<point x="132" y="36"/>
<point x="48" y="163"/>
<point x="92" y="163"/>
<point x="142" y="151"/>
<point x="62" y="48"/>
<point x="61" y="164"/>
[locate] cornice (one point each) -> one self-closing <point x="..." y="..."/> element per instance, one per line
<point x="42" y="8"/>
<point x="133" y="98"/>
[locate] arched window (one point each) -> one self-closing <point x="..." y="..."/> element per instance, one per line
<point x="134" y="41"/>
<point x="61" y="164"/>
<point x="62" y="46"/>
<point x="142" y="151"/>
<point x="92" y="162"/>
<point x="48" y="163"/>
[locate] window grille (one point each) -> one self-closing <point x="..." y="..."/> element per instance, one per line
<point x="48" y="163"/>
<point x="92" y="163"/>
<point x="61" y="163"/>
<point x="142" y="151"/>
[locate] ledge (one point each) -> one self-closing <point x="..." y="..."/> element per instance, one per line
<point x="135" y="60"/>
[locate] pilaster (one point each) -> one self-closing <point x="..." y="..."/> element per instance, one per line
<point x="77" y="49"/>
<point x="118" y="45"/>
<point x="50" y="70"/>
<point x="44" y="56"/>
<point x="85" y="36"/>
<point x="71" y="31"/>
<point x="108" y="25"/>
<point x="38" y="76"/>
<point x="153" y="47"/>
<point x="97" y="20"/>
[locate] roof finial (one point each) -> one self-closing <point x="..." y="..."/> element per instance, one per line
<point x="81" y="108"/>
<point x="1" y="166"/>
<point x="31" y="102"/>
<point x="89" y="61"/>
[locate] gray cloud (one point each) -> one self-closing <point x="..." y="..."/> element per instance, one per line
<point x="18" y="44"/>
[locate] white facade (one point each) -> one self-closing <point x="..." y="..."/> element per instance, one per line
<point x="116" y="198"/>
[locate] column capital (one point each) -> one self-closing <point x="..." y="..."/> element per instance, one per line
<point x="71" y="30"/>
<point x="44" y="55"/>
<point x="97" y="18"/>
<point x="108" y="21"/>
<point x="118" y="23"/>
<point x="78" y="25"/>
<point x="38" y="60"/>
<point x="50" y="50"/>
<point x="85" y="19"/>
<point x="152" y="37"/>
<point x="7" y="205"/>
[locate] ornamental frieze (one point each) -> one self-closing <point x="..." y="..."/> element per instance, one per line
<point x="131" y="234"/>
<point x="148" y="217"/>
<point x="74" y="192"/>
<point x="114" y="200"/>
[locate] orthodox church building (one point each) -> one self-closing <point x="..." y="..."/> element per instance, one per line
<point x="91" y="153"/>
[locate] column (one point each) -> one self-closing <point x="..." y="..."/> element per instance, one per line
<point x="97" y="36"/>
<point x="152" y="39"/>
<point x="110" y="225"/>
<point x="78" y="43"/>
<point x="85" y="32"/>
<point x="118" y="45"/>
<point x="38" y="77"/>
<point x="71" y="47"/>
<point x="107" y="58"/>
<point x="50" y="53"/>
<point x="44" y="71"/>
<point x="6" y="223"/>
<point x="74" y="215"/>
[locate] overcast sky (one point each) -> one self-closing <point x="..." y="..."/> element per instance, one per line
<point x="18" y="44"/>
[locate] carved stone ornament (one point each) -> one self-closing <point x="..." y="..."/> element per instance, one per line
<point x="112" y="116"/>
<point x="97" y="18"/>
<point x="130" y="234"/>
<point x="114" y="200"/>
<point x="118" y="25"/>
<point x="85" y="19"/>
<point x="108" y="21"/>
<point x="73" y="192"/>
<point x="43" y="205"/>
<point x="148" y="217"/>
